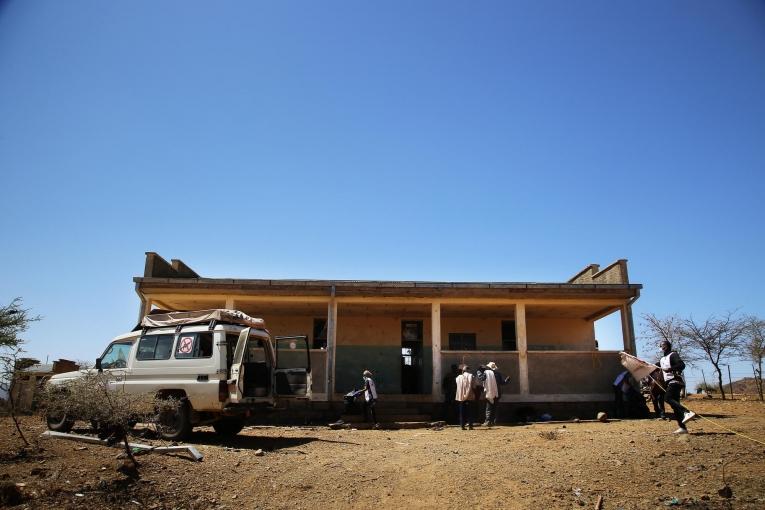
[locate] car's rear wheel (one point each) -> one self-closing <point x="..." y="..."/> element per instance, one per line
<point x="229" y="426"/>
<point x="175" y="424"/>
<point x="59" y="423"/>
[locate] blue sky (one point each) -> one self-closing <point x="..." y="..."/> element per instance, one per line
<point x="501" y="141"/>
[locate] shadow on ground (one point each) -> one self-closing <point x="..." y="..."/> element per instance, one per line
<point x="249" y="442"/>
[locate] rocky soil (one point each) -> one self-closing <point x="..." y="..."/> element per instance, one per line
<point x="630" y="464"/>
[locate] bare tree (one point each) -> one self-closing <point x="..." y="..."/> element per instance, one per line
<point x="752" y="347"/>
<point x="13" y="320"/>
<point x="9" y="362"/>
<point x="670" y="328"/>
<point x="97" y="398"/>
<point x="717" y="338"/>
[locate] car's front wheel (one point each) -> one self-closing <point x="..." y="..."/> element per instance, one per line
<point x="175" y="423"/>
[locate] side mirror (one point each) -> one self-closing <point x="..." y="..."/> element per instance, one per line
<point x="98" y="365"/>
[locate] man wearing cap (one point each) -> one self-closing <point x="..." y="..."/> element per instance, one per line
<point x="492" y="392"/>
<point x="463" y="396"/>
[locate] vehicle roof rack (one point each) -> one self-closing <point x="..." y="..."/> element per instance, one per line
<point x="210" y="317"/>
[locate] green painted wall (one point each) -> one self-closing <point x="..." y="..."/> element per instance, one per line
<point x="383" y="361"/>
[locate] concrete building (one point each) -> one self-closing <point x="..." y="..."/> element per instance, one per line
<point x="409" y="333"/>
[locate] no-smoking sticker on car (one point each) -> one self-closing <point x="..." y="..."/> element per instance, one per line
<point x="185" y="345"/>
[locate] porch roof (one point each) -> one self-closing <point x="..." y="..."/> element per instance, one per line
<point x="163" y="277"/>
<point x="387" y="288"/>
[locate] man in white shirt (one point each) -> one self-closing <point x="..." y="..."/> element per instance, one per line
<point x="463" y="396"/>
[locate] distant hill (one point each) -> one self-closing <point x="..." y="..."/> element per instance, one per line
<point x="744" y="386"/>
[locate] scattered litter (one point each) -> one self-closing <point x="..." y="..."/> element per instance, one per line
<point x="258" y="452"/>
<point x="141" y="448"/>
<point x="80" y="448"/>
<point x="79" y="494"/>
<point x="673" y="502"/>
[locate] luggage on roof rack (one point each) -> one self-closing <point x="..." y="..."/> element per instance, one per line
<point x="219" y="315"/>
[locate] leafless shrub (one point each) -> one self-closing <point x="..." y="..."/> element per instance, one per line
<point x="550" y="435"/>
<point x="14" y="320"/>
<point x="9" y="358"/>
<point x="101" y="400"/>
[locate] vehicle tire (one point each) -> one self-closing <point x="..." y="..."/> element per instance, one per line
<point x="229" y="426"/>
<point x="176" y="425"/>
<point x="59" y="423"/>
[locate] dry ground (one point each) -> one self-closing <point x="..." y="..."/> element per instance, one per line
<point x="631" y="464"/>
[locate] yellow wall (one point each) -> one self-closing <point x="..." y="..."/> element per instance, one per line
<point x="375" y="330"/>
<point x="488" y="331"/>
<point x="549" y="331"/>
<point x="386" y="330"/>
<point x="285" y="325"/>
<point x="351" y="330"/>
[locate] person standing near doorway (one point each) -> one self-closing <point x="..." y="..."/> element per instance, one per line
<point x="449" y="387"/>
<point x="672" y="368"/>
<point x="370" y="398"/>
<point x="464" y="395"/>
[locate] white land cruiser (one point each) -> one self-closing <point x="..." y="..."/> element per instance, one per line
<point x="221" y="364"/>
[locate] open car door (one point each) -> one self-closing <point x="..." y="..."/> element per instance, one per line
<point x="292" y="377"/>
<point x="235" y="389"/>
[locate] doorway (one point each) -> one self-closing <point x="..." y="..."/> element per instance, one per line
<point x="411" y="357"/>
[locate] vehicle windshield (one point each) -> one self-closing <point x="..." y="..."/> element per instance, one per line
<point x="116" y="355"/>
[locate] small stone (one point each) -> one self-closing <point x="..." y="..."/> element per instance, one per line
<point x="258" y="452"/>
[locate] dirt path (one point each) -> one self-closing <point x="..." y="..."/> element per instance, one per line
<point x="632" y="464"/>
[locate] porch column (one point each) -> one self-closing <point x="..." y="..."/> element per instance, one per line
<point x="435" y="344"/>
<point x="628" y="330"/>
<point x="230" y="303"/>
<point x="331" y="342"/>
<point x="523" y="358"/>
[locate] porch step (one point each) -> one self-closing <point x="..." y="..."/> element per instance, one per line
<point x="386" y="417"/>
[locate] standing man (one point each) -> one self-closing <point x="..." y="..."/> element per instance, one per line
<point x="500" y="381"/>
<point x="672" y="368"/>
<point x="370" y="398"/>
<point x="491" y="394"/>
<point x="463" y="396"/>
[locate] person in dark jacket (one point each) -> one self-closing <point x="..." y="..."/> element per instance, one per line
<point x="449" y="387"/>
<point x="672" y="369"/>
